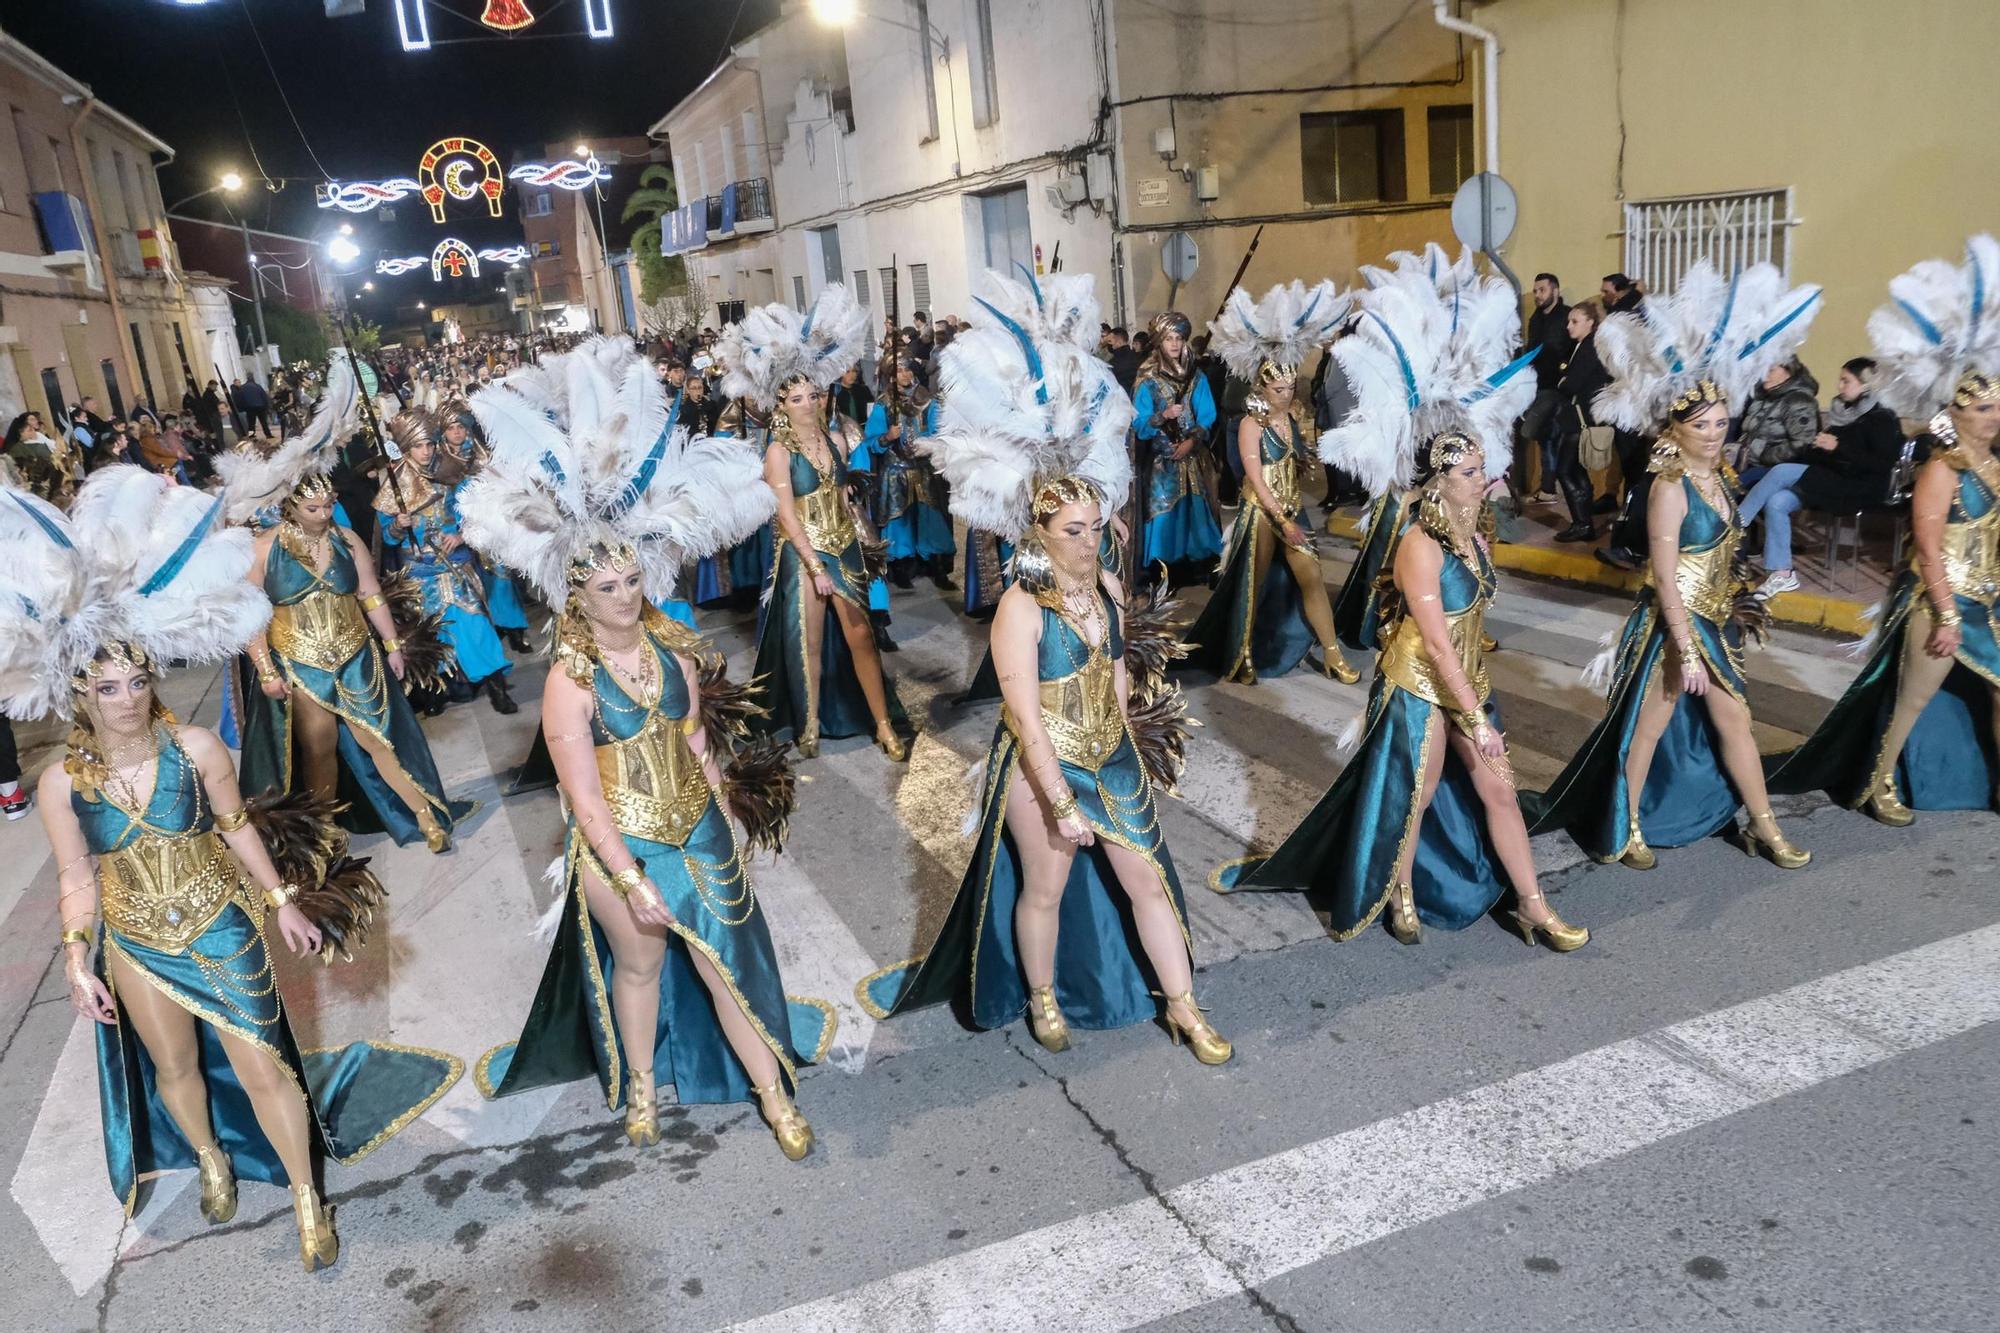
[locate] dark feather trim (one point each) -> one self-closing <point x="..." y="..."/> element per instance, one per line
<point x="1152" y="638"/>
<point x="428" y="661"/>
<point x="1159" y="725"/>
<point x="1750" y="613"/>
<point x="762" y="792"/>
<point x="726" y="707"/>
<point x="343" y="907"/>
<point x="875" y="557"/>
<point x="298" y="832"/>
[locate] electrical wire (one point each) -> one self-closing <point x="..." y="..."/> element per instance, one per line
<point x="229" y="83"/>
<point x="277" y="83"/>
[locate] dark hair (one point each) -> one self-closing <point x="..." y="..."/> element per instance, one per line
<point x="1619" y="282"/>
<point x="14" y="430"/>
<point x="1121" y="331"/>
<point x="1550" y="278"/>
<point x="1861" y="367"/>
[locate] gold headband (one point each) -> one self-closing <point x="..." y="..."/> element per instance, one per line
<point x="601" y="556"/>
<point x="1702" y="391"/>
<point x="313" y="486"/>
<point x="1051" y="496"/>
<point x="1449" y="448"/>
<point x="125" y="656"/>
<point x="1975" y="387"/>
<point x="1270" y="372"/>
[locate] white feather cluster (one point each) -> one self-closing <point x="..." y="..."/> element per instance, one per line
<point x="137" y="560"/>
<point x="253" y="480"/>
<point x="1943" y="320"/>
<point x="584" y="454"/>
<point x="1025" y="401"/>
<point x="1422" y="361"/>
<point x="1283" y="328"/>
<point x="772" y="343"/>
<point x="1433" y="264"/>
<point x="1727" y="331"/>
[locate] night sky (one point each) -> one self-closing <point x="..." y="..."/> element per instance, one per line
<point x="367" y="108"/>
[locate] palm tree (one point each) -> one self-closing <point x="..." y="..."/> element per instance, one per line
<point x="653" y="200"/>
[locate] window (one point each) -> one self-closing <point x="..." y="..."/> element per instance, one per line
<point x="1352" y="157"/>
<point x="920" y="289"/>
<point x="109" y="370"/>
<point x="58" y="417"/>
<point x="1664" y="237"/>
<point x="985" y="91"/>
<point x="1003" y="218"/>
<point x="1450" y="132"/>
<point x="861" y="288"/>
<point x="894" y="302"/>
<point x="145" y="371"/>
<point x="798" y="293"/>
<point x="922" y="12"/>
<point x="828" y="240"/>
<point x="539" y="205"/>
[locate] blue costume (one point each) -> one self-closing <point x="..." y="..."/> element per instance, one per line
<point x="910" y="507"/>
<point x="749" y="561"/>
<point x="451" y="581"/>
<point x="1181" y="525"/>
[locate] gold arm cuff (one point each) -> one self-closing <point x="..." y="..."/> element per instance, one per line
<point x="371" y="601"/>
<point x="279" y="896"/>
<point x="392" y="645"/>
<point x="628" y="879"/>
<point x="233" y="820"/>
<point x="70" y="937"/>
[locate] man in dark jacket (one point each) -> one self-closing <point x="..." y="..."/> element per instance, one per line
<point x="1124" y="358"/>
<point x="255" y="405"/>
<point x="1628" y="535"/>
<point x="1548" y="329"/>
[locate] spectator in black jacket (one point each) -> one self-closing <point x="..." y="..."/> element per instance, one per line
<point x="1548" y="329"/>
<point x="1579" y="378"/>
<point x="255" y="404"/>
<point x="1628" y="535"/>
<point x="1124" y="358"/>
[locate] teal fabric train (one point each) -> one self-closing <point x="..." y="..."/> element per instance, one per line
<point x="1355" y="610"/>
<point x="1263" y="625"/>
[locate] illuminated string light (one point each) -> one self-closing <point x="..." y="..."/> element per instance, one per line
<point x="511" y="254"/>
<point x="397" y="267"/>
<point x="443" y="170"/>
<point x="564" y="175"/>
<point x="364" y="196"/>
<point x="455" y="256"/>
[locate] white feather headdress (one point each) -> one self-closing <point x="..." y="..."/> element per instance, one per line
<point x="1433" y="263"/>
<point x="772" y="343"/>
<point x="253" y="480"/>
<point x="1728" y="333"/>
<point x="1420" y="362"/>
<point x="136" y="561"/>
<point x="586" y="455"/>
<point x="1283" y="328"/>
<point x="1026" y="401"/>
<point x="1943" y="320"/>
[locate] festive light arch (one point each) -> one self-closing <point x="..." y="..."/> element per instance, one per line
<point x="565" y="175"/>
<point x="443" y="170"/>
<point x="454" y="255"/>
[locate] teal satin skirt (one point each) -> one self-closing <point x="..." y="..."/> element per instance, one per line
<point x="571" y="1032"/>
<point x="1949" y="761"/>
<point x="363" y="695"/>
<point x="1355" y="622"/>
<point x="1262" y="627"/>
<point x="1345" y="852"/>
<point x="1102" y="978"/>
<point x="360" y="1094"/>
<point x="1688" y="795"/>
<point x="805" y="702"/>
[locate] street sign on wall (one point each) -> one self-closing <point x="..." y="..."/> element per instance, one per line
<point x="1179" y="256"/>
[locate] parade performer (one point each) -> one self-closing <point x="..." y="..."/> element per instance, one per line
<point x="458" y="436"/>
<point x="163" y="874"/>
<point x="749" y="561"/>
<point x="1674" y="758"/>
<point x="1424" y="818"/>
<point x="1267" y="612"/>
<point x="910" y="505"/>
<point x="329" y="714"/>
<point x="1173" y="414"/>
<point x="417" y="508"/>
<point x="1919" y="729"/>
<point x="1070" y="870"/>
<point x="662" y="969"/>
<point x="816" y="652"/>
<point x="861" y="485"/>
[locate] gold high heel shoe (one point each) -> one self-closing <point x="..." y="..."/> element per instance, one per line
<point x="642" y="1110"/>
<point x="1208" y="1045"/>
<point x="435" y="837"/>
<point x="1556" y="932"/>
<point x="1885" y="806"/>
<point x="1335" y="665"/>
<point x="889" y="743"/>
<point x="1637" y="855"/>
<point x="1403" y="922"/>
<point x="794" y="1135"/>
<point x="218" y="1184"/>
<point x="807" y="746"/>
<point x="319" y="1246"/>
<point x="1052" y="1031"/>
<point x="1775" y="849"/>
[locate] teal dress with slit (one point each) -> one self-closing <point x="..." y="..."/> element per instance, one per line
<point x="1949" y="761"/>
<point x="1356" y="609"/>
<point x="1687" y="795"/>
<point x="671" y="821"/>
<point x="199" y="939"/>
<point x="1346" y="851"/>
<point x="1102" y="978"/>
<point x="1250" y="631"/>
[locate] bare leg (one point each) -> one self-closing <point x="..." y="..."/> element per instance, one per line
<point x="812" y="610"/>
<point x="1045" y="858"/>
<point x="758" y="1061"/>
<point x="860" y="636"/>
<point x="1153" y="912"/>
<point x="1739" y="751"/>
<point x="278" y="1103"/>
<point x="1318" y="608"/>
<point x="639" y="951"/>
<point x="1433" y="767"/>
<point x="315" y="733"/>
<point x="1493" y="779"/>
<point x="1922" y="677"/>
<point x="1655" y="712"/>
<point x="168" y="1033"/>
<point x="391" y="769"/>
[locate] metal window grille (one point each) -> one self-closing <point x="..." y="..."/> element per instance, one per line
<point x="920" y="289"/>
<point x="1664" y="237"/>
<point x="799" y="293"/>
<point x="889" y="286"/>
<point x="861" y="287"/>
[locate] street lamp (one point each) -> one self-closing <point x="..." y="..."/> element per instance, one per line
<point x="603" y="242"/>
<point x="229" y="183"/>
<point x="368" y="286"/>
<point x="833" y="13"/>
<point x="341" y="250"/>
<point x="842" y="13"/>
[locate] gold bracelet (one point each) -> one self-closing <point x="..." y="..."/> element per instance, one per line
<point x="70" y="937"/>
<point x="372" y="601"/>
<point x="392" y="645"/>
<point x="1948" y="618"/>
<point x="278" y="895"/>
<point x="232" y="821"/>
<point x="72" y="865"/>
<point x="628" y="879"/>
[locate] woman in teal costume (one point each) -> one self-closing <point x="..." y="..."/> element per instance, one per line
<point x="417" y="507"/>
<point x="331" y="698"/>
<point x="815" y="649"/>
<point x="909" y="505"/>
<point x="503" y="603"/>
<point x="1173" y="414"/>
<point x="1357" y="608"/>
<point x="1919" y="729"/>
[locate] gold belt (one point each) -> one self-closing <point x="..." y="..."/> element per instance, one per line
<point x="1971" y="556"/>
<point x="322" y="629"/>
<point x="1703" y="579"/>
<point x="654" y="784"/>
<point x="162" y="891"/>
<point x="1407" y="663"/>
<point x="1081" y="715"/>
<point x="828" y="522"/>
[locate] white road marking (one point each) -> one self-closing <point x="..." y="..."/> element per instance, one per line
<point x="1215" y="1236"/>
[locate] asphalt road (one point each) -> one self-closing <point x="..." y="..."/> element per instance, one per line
<point x="1756" y="1100"/>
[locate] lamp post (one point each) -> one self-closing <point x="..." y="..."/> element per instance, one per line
<point x="229" y="183"/>
<point x="603" y="242"/>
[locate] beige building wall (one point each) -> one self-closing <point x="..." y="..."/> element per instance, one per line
<point x="1877" y="116"/>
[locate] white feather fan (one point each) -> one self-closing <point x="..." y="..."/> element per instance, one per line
<point x="772" y="343"/>
<point x="1943" y="319"/>
<point x="1433" y="264"/>
<point x="1283" y="328"/>
<point x="1729" y="332"/>
<point x="585" y="452"/>
<point x="253" y="480"/>
<point x="1025" y="400"/>
<point x="139" y="561"/>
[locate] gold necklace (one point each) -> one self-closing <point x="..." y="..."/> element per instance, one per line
<point x="115" y="778"/>
<point x="643" y="681"/>
<point x="1082" y="608"/>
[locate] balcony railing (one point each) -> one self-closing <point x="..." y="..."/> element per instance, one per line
<point x="743" y="206"/>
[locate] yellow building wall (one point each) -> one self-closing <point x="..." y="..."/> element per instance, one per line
<point x="1879" y="117"/>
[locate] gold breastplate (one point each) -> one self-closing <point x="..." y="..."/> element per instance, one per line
<point x="1081" y="715"/>
<point x="1407" y="663"/>
<point x="653" y="783"/>
<point x="1283" y="479"/>
<point x="1703" y="579"/>
<point x="1971" y="555"/>
<point x="828" y="522"/>
<point x="323" y="629"/>
<point x="163" y="891"/>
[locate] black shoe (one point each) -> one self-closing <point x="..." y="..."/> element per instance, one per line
<point x="900" y="574"/>
<point x="517" y="639"/>
<point x="496" y="692"/>
<point x="1578" y="532"/>
<point x="942" y="580"/>
<point x="1619" y="558"/>
<point x="459" y="690"/>
<point x="883" y="643"/>
<point x="1606" y="504"/>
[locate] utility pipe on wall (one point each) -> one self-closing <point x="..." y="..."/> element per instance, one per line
<point x="1490" y="76"/>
